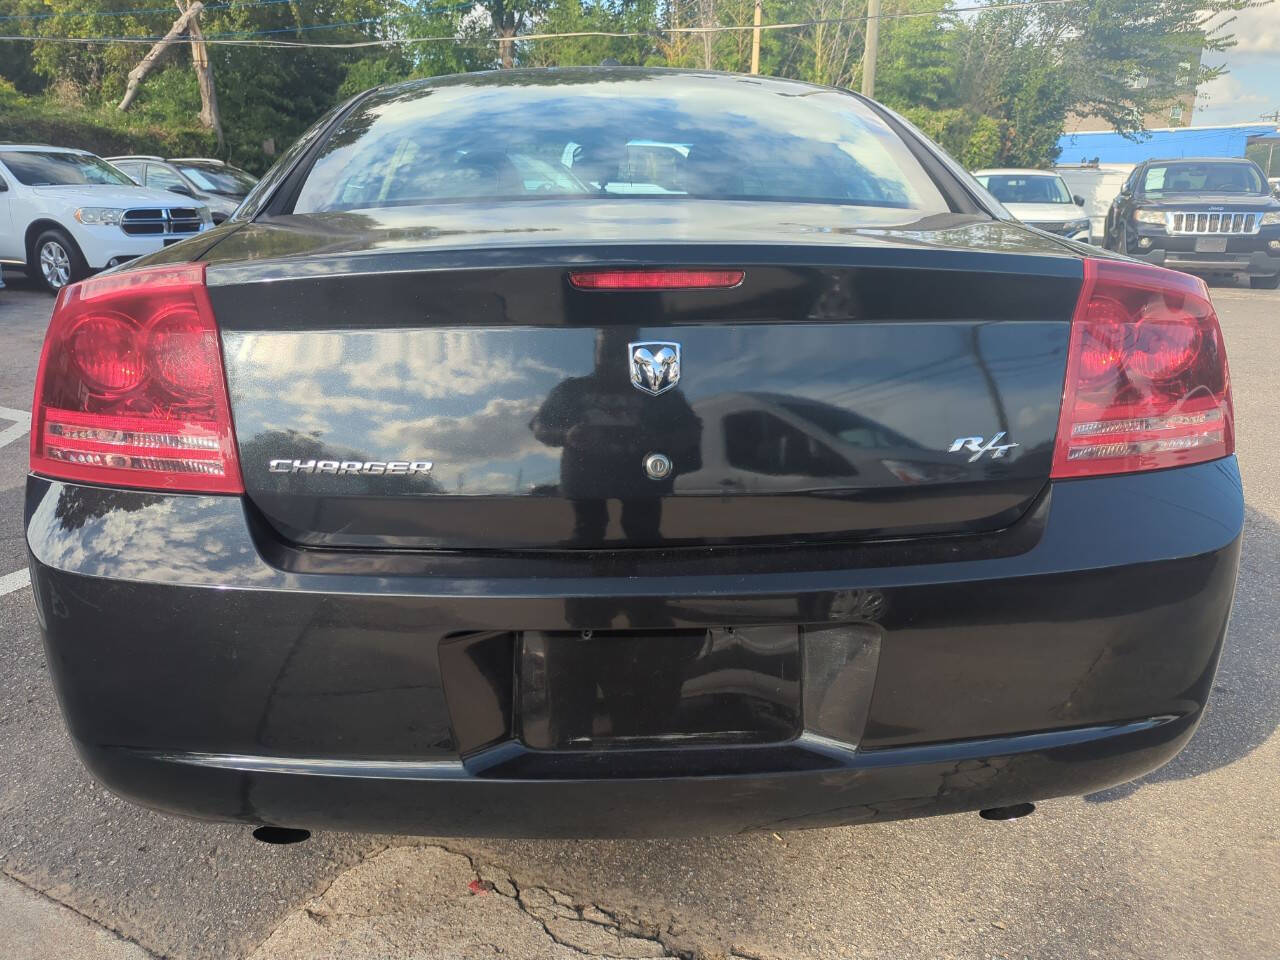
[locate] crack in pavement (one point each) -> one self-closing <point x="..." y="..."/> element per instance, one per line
<point x="596" y="935"/>
<point x="329" y="886"/>
<point x="406" y="900"/>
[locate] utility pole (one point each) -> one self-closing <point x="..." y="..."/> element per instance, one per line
<point x="755" y="38"/>
<point x="869" y="53"/>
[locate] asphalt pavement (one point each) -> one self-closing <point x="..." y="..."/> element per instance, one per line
<point x="1182" y="864"/>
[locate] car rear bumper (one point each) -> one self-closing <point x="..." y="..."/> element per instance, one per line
<point x="208" y="669"/>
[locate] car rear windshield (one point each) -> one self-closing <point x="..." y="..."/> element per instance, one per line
<point x="1162" y="178"/>
<point x="1026" y="188"/>
<point x="57" y="169"/>
<point x="218" y="179"/>
<point x="650" y="136"/>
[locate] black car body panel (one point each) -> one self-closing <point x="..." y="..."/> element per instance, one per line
<point x="486" y="362"/>
<point x="1072" y="651"/>
<point x="857" y="596"/>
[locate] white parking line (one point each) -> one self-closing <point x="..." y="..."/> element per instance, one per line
<point x="22" y="423"/>
<point x="14" y="581"/>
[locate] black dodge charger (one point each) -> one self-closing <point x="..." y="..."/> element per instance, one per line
<point x="628" y="452"/>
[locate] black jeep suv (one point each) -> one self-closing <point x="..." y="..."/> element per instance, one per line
<point x="1200" y="216"/>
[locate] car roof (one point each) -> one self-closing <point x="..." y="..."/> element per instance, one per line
<point x="1199" y="160"/>
<point x="221" y="163"/>
<point x="581" y="76"/>
<point x="40" y="148"/>
<point x="1023" y="171"/>
<point x="135" y="156"/>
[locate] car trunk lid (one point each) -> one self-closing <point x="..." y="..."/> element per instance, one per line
<point x="884" y="385"/>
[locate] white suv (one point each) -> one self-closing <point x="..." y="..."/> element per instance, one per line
<point x="1039" y="198"/>
<point x="65" y="213"/>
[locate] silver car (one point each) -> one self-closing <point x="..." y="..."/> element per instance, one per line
<point x="217" y="185"/>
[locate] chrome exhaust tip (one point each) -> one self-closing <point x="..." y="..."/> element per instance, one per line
<point x="280" y="836"/>
<point x="1013" y="812"/>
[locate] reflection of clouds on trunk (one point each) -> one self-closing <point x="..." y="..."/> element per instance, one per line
<point x="315" y="394"/>
<point x="498" y="432"/>
<point x="143" y="538"/>
<point x="446" y="363"/>
<point x="501" y="428"/>
<point x="305" y="354"/>
<point x="336" y="370"/>
<point x="462" y="398"/>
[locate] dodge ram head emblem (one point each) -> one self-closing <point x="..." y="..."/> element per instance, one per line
<point x="655" y="366"/>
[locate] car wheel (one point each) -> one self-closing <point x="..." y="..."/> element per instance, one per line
<point x="58" y="261"/>
<point x="1265" y="283"/>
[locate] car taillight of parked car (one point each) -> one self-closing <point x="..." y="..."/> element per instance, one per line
<point x="131" y="391"/>
<point x="1147" y="385"/>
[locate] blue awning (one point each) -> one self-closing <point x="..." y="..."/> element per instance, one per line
<point x="1106" y="146"/>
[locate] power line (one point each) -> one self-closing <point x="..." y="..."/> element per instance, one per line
<point x="605" y="34"/>
<point x="167" y="11"/>
<point x="303" y="28"/>
<point x="210" y="37"/>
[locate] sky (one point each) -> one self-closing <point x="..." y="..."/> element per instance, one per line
<point x="1251" y="87"/>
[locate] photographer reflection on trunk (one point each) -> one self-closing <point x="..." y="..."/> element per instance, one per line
<point x="607" y="427"/>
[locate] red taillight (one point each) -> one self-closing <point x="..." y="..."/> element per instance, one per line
<point x="655" y="279"/>
<point x="130" y="390"/>
<point x="1147" y="384"/>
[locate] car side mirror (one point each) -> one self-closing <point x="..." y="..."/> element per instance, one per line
<point x="1079" y="200"/>
<point x="4" y="187"/>
<point x="182" y="189"/>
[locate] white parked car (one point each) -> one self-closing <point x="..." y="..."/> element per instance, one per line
<point x="1039" y="198"/>
<point x="65" y="213"/>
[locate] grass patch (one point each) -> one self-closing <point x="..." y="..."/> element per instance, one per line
<point x="101" y="130"/>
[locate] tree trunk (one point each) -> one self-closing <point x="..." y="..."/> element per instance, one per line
<point x="707" y="8"/>
<point x="210" y="117"/>
<point x="505" y="31"/>
<point x="507" y="47"/>
<point x="145" y="66"/>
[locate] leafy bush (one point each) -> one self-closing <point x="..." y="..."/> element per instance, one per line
<point x="975" y="140"/>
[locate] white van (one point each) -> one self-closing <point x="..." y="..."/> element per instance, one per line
<point x="1099" y="184"/>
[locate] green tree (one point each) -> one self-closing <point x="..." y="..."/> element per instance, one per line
<point x="914" y="68"/>
<point x="993" y="85"/>
<point x="1124" y="59"/>
<point x="975" y="140"/>
<point x="606" y="16"/>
